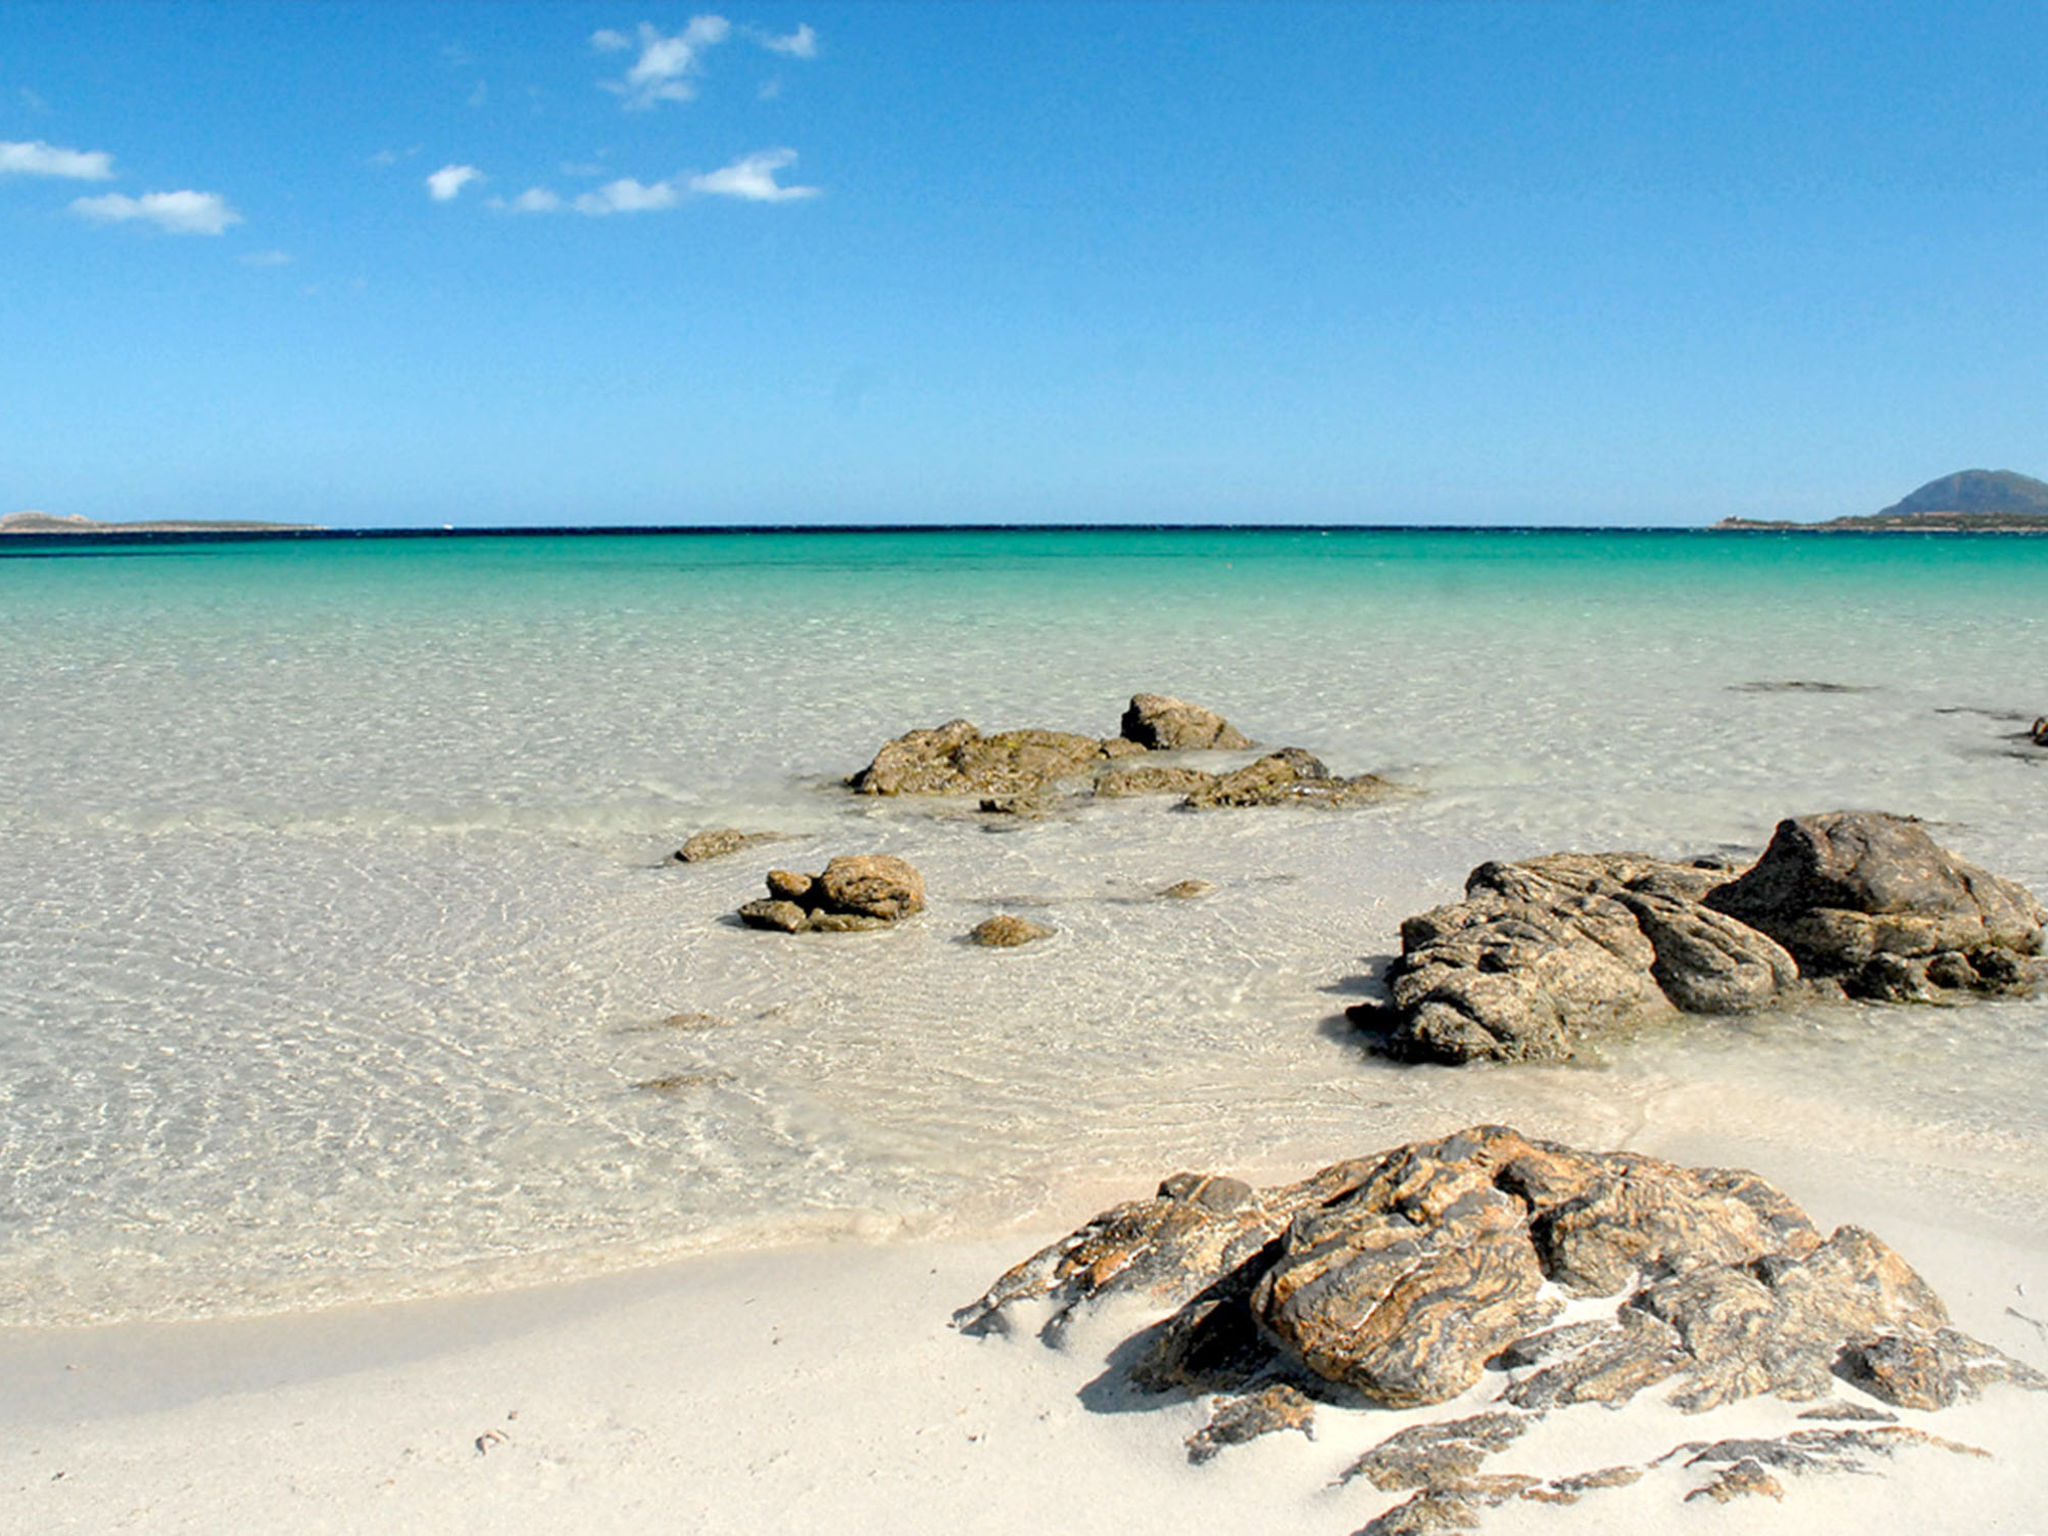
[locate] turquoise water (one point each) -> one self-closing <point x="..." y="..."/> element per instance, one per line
<point x="338" y="945"/>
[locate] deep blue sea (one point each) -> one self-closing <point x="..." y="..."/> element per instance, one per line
<point x="339" y="958"/>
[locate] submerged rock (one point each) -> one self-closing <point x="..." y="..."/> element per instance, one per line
<point x="858" y="891"/>
<point x="956" y="759"/>
<point x="1004" y="931"/>
<point x="717" y="843"/>
<point x="1290" y="776"/>
<point x="1543" y="953"/>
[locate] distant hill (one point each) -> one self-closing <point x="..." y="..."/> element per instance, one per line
<point x="1968" y="501"/>
<point x="71" y="522"/>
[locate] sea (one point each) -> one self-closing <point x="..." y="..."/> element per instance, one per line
<point x="343" y="958"/>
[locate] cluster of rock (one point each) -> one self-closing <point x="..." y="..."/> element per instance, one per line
<point x="1403" y="1278"/>
<point x="1018" y="769"/>
<point x="1542" y="953"/>
<point x="868" y="890"/>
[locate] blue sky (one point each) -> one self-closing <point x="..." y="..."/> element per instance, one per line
<point x="381" y="264"/>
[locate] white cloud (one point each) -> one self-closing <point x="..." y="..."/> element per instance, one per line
<point x="752" y="177"/>
<point x="35" y="158"/>
<point x="629" y="196"/>
<point x="605" y="40"/>
<point x="800" y="44"/>
<point x="532" y="200"/>
<point x="444" y="185"/>
<point x="662" y="71"/>
<point x="176" y="213"/>
<point x="267" y="259"/>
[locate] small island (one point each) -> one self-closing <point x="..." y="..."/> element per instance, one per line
<point x="72" y="522"/>
<point x="1968" y="501"/>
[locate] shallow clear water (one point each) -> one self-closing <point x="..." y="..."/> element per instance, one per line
<point x="337" y="953"/>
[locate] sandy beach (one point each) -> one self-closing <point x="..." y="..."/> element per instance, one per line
<point x="822" y="1389"/>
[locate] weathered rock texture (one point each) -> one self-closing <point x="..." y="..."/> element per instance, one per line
<point x="871" y="890"/>
<point x="1543" y="953"/>
<point x="1163" y="724"/>
<point x="1025" y="771"/>
<point x="1411" y="1276"/>
<point x="1005" y="931"/>
<point x="717" y="843"/>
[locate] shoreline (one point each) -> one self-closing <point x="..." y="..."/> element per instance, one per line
<point x="822" y="1387"/>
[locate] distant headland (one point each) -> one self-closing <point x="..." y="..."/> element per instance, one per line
<point x="56" y="522"/>
<point x="1969" y="501"/>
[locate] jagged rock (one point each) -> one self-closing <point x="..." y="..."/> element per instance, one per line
<point x="1163" y="724"/>
<point x="1544" y="953"/>
<point x="1290" y="776"/>
<point x="1841" y="889"/>
<point x="716" y="844"/>
<point x="1403" y="1276"/>
<point x="956" y="759"/>
<point x="1235" y="1420"/>
<point x="1195" y="1230"/>
<point x="1006" y="932"/>
<point x="1403" y="1288"/>
<point x="1933" y="1369"/>
<point x="1817" y="1450"/>
<point x="1438" y="1455"/>
<point x="1151" y="779"/>
<point x="1740" y="1480"/>
<point x="855" y="892"/>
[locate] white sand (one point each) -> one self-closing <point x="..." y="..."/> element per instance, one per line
<point x="822" y="1389"/>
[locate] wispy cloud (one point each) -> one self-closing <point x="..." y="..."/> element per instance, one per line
<point x="532" y="200"/>
<point x="800" y="44"/>
<point x="446" y="183"/>
<point x="175" y="213"/>
<point x="35" y="158"/>
<point x="662" y="71"/>
<point x="629" y="196"/>
<point x="752" y="177"/>
<point x="267" y="259"/>
<point x="33" y="102"/>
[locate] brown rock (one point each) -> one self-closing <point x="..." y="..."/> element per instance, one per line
<point x="1287" y="777"/>
<point x="855" y="892"/>
<point x="1438" y="1455"/>
<point x="788" y="885"/>
<point x="718" y="843"/>
<point x="784" y="916"/>
<point x="1151" y="779"/>
<point x="1164" y="724"/>
<point x="956" y="759"/>
<point x="1839" y="889"/>
<point x="1235" y="1420"/>
<point x="1739" y="1480"/>
<point x="873" y="885"/>
<point x="1006" y="932"/>
<point x="1187" y="890"/>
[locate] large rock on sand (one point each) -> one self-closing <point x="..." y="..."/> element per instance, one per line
<point x="1543" y="953"/>
<point x="1408" y="1275"/>
<point x="871" y="890"/>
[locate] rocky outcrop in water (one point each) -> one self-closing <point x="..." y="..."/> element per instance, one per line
<point x="1544" y="953"/>
<point x="1024" y="772"/>
<point x="1163" y="724"/>
<point x="870" y="890"/>
<point x="1409" y="1277"/>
